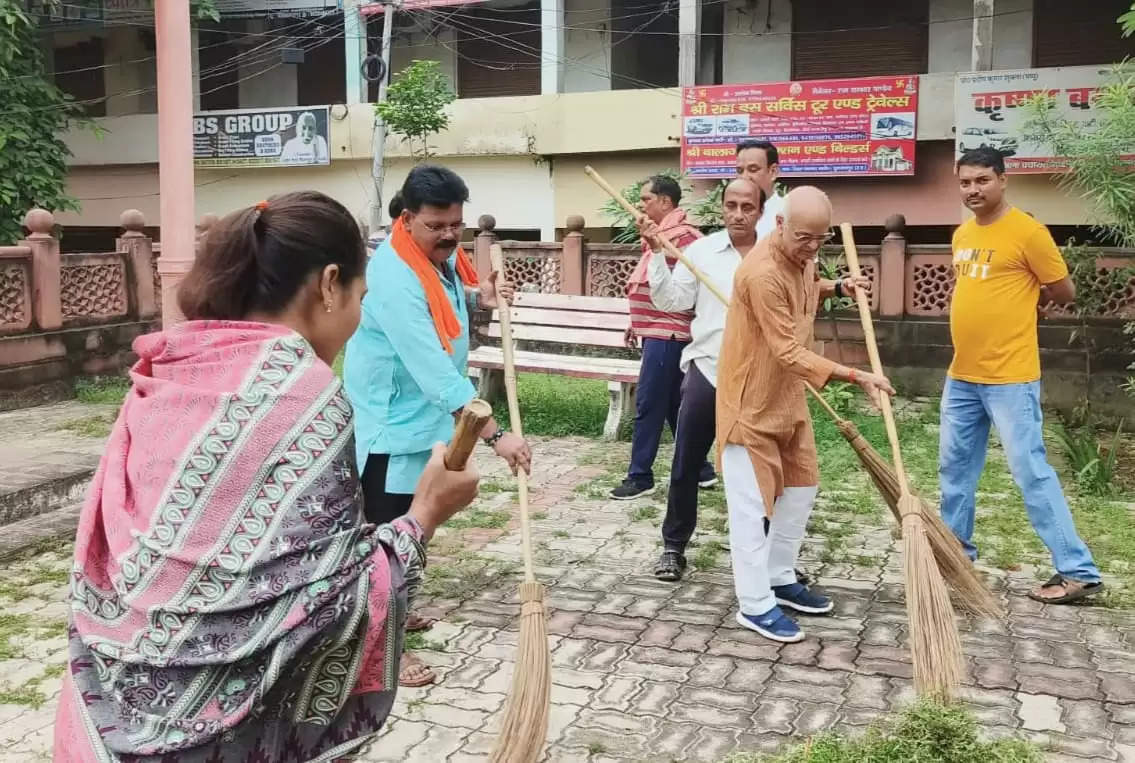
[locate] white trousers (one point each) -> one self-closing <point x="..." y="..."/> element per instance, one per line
<point x="762" y="559"/>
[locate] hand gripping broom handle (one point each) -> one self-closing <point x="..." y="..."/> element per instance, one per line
<point x="504" y="310"/>
<point x="470" y="422"/>
<point x="852" y="255"/>
<point x="671" y="250"/>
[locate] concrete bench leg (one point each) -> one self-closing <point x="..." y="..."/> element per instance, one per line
<point x="490" y="385"/>
<point x="621" y="403"/>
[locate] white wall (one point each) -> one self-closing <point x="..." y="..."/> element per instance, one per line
<point x="1013" y="34"/>
<point x="753" y="50"/>
<point x="951" y="35"/>
<point x="588" y="52"/>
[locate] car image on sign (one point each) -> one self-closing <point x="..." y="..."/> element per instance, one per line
<point x="732" y="126"/>
<point x="977" y="137"/>
<point x="699" y="126"/>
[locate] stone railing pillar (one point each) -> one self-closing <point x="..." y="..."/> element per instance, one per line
<point x="485" y="238"/>
<point x="892" y="268"/>
<point x="47" y="309"/>
<point x="573" y="269"/>
<point x="139" y="249"/>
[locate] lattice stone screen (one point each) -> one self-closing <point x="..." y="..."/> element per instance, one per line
<point x="929" y="284"/>
<point x="14" y="295"/>
<point x="534" y="269"/>
<point x="92" y="286"/>
<point x="609" y="267"/>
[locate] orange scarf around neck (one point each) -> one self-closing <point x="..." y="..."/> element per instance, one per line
<point x="445" y="320"/>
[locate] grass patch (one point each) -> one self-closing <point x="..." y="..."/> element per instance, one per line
<point x="644" y="513"/>
<point x="707" y="555"/>
<point x="464" y="576"/>
<point x="482" y="518"/>
<point x="416" y="641"/>
<point x="88" y="426"/>
<point x="559" y="406"/>
<point x="924" y="733"/>
<point x="102" y="390"/>
<point x="28" y="695"/>
<point x="28" y="628"/>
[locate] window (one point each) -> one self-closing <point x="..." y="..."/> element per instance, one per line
<point x="1076" y="34"/>
<point x="644" y="45"/>
<point x="859" y="38"/>
<point x="87" y="87"/>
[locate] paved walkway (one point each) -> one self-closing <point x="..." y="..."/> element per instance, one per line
<point x="644" y="670"/>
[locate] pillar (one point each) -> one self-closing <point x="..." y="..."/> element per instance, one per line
<point x="175" y="149"/>
<point x="981" y="57"/>
<point x="892" y="269"/>
<point x="551" y="46"/>
<point x="47" y="309"/>
<point x="139" y="250"/>
<point x="486" y="237"/>
<point x="354" y="33"/>
<point x="689" y="29"/>
<point x="573" y="270"/>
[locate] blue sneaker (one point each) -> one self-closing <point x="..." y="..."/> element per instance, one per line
<point x="773" y="624"/>
<point x="797" y="596"/>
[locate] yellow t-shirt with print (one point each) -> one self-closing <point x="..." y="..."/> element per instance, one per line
<point x="999" y="269"/>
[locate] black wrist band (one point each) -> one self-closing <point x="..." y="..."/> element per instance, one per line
<point x="494" y="438"/>
<point x="839" y="288"/>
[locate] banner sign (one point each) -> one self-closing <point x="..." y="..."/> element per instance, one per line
<point x="291" y="137"/>
<point x="256" y="7"/>
<point x="863" y="126"/>
<point x="988" y="111"/>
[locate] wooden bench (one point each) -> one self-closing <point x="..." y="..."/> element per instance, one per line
<point x="567" y="320"/>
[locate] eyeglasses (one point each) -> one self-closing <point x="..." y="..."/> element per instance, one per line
<point x="811" y="238"/>
<point x="457" y="228"/>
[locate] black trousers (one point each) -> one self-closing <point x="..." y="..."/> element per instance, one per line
<point x="379" y="506"/>
<point x="697" y="418"/>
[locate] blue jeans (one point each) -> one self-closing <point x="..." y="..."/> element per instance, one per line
<point x="967" y="411"/>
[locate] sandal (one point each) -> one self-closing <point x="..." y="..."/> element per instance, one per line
<point x="413" y="672"/>
<point x="1070" y="590"/>
<point x="670" y="566"/>
<point x="416" y="623"/>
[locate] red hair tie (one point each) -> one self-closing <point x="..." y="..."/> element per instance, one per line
<point x="261" y="205"/>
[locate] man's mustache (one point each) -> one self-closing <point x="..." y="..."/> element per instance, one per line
<point x="447" y="243"/>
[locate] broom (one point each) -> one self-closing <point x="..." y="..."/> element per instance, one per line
<point x="952" y="561"/>
<point x="524" y="729"/>
<point x="935" y="646"/>
<point x="470" y="422"/>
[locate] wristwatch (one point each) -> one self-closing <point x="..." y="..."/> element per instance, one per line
<point x="494" y="438"/>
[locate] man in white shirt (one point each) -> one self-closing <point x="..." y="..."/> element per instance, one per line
<point x="308" y="146"/>
<point x="758" y="161"/>
<point x="717" y="256"/>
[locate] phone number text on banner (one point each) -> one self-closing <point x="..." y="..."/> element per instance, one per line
<point x="863" y="126"/>
<point x="286" y="137"/>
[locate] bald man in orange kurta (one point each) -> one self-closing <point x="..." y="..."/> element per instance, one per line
<point x="764" y="430"/>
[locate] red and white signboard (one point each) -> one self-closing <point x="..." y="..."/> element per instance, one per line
<point x="863" y="126"/>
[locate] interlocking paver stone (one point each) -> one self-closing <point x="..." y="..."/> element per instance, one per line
<point x="648" y="670"/>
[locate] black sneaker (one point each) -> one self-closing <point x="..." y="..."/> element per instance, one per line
<point x="630" y="490"/>
<point x="707" y="478"/>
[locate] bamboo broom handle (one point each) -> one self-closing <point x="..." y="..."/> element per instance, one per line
<point x="504" y="310"/>
<point x="823" y="403"/>
<point x="852" y="255"/>
<point x="470" y="422"/>
<point x="671" y="250"/>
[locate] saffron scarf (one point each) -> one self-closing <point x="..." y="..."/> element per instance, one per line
<point x="445" y="320"/>
<point x="229" y="602"/>
<point x="674" y="227"/>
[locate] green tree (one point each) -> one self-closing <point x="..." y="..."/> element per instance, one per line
<point x="415" y="105"/>
<point x="626" y="232"/>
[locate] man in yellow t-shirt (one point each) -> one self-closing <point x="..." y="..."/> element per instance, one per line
<point x="1005" y="263"/>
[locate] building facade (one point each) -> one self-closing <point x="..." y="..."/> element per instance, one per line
<point x="547" y="86"/>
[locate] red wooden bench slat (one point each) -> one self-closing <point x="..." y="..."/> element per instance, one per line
<point x="611" y="369"/>
<point x="562" y="335"/>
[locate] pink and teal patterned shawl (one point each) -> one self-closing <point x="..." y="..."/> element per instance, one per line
<point x="229" y="603"/>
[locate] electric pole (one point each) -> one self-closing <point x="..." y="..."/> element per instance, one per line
<point x="378" y="146"/>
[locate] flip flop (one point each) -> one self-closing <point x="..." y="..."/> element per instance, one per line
<point x="413" y="672"/>
<point x="1074" y="590"/>
<point x="415" y="623"/>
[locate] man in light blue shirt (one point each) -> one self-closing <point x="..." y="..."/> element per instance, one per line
<point x="405" y="370"/>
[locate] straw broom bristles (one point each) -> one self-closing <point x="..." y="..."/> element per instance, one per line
<point x="935" y="646"/>
<point x="524" y="728"/>
<point x="955" y="566"/>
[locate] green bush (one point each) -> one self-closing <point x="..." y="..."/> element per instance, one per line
<point x="924" y="733"/>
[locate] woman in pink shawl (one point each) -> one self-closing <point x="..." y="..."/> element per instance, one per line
<point x="229" y="602"/>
